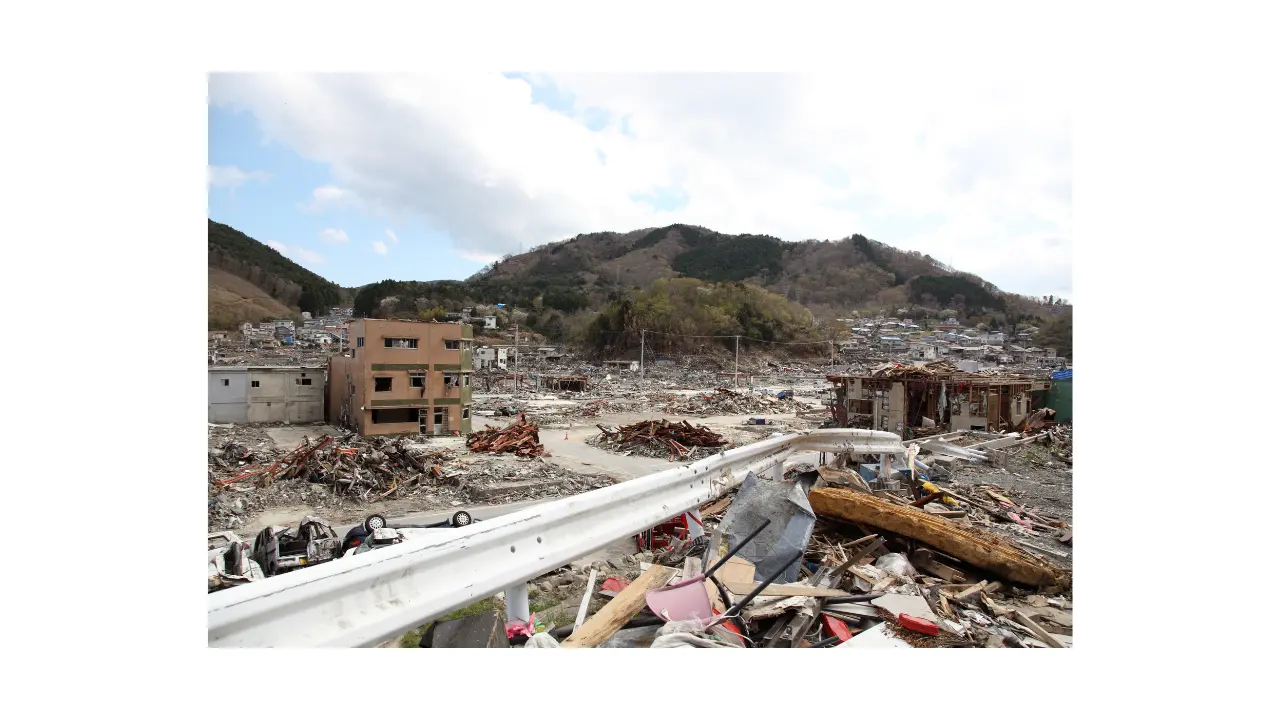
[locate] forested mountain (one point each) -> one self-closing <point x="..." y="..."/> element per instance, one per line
<point x="292" y="287"/>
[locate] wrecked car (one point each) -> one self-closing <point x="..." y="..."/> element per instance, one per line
<point x="229" y="562"/>
<point x="375" y="532"/>
<point x="279" y="549"/>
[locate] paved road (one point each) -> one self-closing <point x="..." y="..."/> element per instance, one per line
<point x="575" y="454"/>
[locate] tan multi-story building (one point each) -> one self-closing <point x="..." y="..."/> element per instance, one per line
<point x="404" y="378"/>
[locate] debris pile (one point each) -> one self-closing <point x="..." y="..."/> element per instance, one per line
<point x="350" y="465"/>
<point x="519" y="438"/>
<point x="856" y="559"/>
<point x="724" y="401"/>
<point x="660" y="438"/>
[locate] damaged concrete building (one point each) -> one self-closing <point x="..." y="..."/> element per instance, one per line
<point x="266" y="394"/>
<point x="403" y="378"/>
<point x="905" y="399"/>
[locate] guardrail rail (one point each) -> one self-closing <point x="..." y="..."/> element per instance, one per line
<point x="367" y="599"/>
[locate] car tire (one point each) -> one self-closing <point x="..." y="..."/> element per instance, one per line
<point x="375" y="521"/>
<point x="462" y="518"/>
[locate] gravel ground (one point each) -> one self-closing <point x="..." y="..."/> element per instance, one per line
<point x="1032" y="477"/>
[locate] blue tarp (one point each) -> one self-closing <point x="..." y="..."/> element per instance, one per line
<point x="1061" y="375"/>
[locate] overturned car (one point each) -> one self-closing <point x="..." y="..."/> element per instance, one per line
<point x="279" y="549"/>
<point x="229" y="562"/>
<point x="376" y="532"/>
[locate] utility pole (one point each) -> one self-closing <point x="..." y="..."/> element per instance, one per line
<point x="833" y="353"/>
<point x="517" y="373"/>
<point x="735" y="361"/>
<point x="642" y="358"/>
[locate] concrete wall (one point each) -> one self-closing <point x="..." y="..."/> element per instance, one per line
<point x="228" y="403"/>
<point x="279" y="396"/>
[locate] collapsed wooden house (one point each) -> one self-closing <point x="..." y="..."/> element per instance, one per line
<point x="898" y="398"/>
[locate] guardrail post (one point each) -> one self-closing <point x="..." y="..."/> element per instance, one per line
<point x="777" y="472"/>
<point x="517" y="597"/>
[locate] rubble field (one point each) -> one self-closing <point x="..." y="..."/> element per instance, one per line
<point x="345" y="478"/>
<point x="972" y="552"/>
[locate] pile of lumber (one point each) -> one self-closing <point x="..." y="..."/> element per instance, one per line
<point x="521" y="438"/>
<point x="676" y="440"/>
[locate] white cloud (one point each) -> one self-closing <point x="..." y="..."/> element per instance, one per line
<point x="394" y="240"/>
<point x="974" y="169"/>
<point x="297" y="253"/>
<point x="334" y="236"/>
<point x="328" y="197"/>
<point x="478" y="257"/>
<point x="379" y="247"/>
<point x="230" y="176"/>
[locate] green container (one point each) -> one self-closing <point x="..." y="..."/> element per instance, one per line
<point x="1060" y="400"/>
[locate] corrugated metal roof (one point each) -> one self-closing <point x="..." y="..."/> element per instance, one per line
<point x="1061" y="375"/>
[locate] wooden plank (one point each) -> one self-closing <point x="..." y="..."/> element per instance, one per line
<point x="586" y="601"/>
<point x="1045" y="636"/>
<point x="973" y="590"/>
<point x="776" y="590"/>
<point x="620" y="610"/>
<point x="923" y="559"/>
<point x="737" y="570"/>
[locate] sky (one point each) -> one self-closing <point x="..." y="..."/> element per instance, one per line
<point x="423" y="177"/>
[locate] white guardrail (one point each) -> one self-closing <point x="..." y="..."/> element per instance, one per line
<point x="367" y="599"/>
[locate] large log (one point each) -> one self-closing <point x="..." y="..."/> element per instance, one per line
<point x="980" y="548"/>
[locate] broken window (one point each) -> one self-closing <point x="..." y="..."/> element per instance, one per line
<point x="401" y="343"/>
<point x="466" y="413"/>
<point x="417" y="380"/>
<point x="382" y="384"/>
<point x="398" y="415"/>
<point x="253" y="383"/>
<point x="302" y="381"/>
<point x="452" y="344"/>
<point x="439" y="416"/>
<point x="466" y="381"/>
<point x="451" y="380"/>
<point x="225" y="382"/>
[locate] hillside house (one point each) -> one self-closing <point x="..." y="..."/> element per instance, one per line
<point x="622" y="365"/>
<point x="922" y="351"/>
<point x="491" y="357"/>
<point x="892" y="342"/>
<point x="490" y="322"/>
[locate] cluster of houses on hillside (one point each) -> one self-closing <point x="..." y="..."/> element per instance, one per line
<point x="947" y="340"/>
<point x="328" y="330"/>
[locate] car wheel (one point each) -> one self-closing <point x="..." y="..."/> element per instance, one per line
<point x="462" y="518"/>
<point x="375" y="521"/>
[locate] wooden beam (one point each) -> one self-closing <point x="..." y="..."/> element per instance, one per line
<point x="620" y="610"/>
<point x="982" y="549"/>
<point x="1045" y="636"/>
